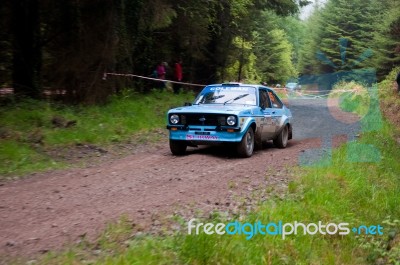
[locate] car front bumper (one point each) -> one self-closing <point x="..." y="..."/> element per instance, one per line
<point x="205" y="134"/>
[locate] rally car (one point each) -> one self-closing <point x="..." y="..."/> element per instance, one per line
<point x="244" y="115"/>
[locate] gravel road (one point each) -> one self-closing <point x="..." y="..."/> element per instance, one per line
<point x="313" y="119"/>
<point x="57" y="208"/>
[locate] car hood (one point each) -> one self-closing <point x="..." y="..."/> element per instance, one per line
<point x="216" y="109"/>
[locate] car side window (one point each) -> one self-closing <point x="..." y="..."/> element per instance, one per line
<point x="264" y="100"/>
<point x="276" y="103"/>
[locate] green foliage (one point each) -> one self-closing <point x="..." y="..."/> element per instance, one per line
<point x="386" y="41"/>
<point x="23" y="158"/>
<point x="307" y="63"/>
<point x="80" y="40"/>
<point x="389" y="96"/>
<point x="355" y="29"/>
<point x="384" y="249"/>
<point x="353" y="97"/>
<point x="339" y="20"/>
<point x="27" y="129"/>
<point x="281" y="7"/>
<point x="370" y="31"/>
<point x="239" y="66"/>
<point x="274" y="54"/>
<point x="295" y="32"/>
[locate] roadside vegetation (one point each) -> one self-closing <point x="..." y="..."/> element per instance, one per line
<point x="343" y="190"/>
<point x="30" y="128"/>
<point x="353" y="97"/>
<point x="390" y="98"/>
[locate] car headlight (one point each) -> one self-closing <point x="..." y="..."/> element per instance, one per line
<point x="231" y="120"/>
<point x="174" y="119"/>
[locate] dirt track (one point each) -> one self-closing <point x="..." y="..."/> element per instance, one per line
<point x="52" y="209"/>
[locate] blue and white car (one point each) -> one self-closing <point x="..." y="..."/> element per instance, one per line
<point x="232" y="113"/>
<point x="293" y="86"/>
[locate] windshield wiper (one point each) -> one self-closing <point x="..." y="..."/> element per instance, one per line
<point x="237" y="98"/>
<point x="211" y="98"/>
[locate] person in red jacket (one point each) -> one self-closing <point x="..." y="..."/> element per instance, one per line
<point x="178" y="75"/>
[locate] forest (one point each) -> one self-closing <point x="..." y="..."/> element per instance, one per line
<point x="64" y="47"/>
<point x="83" y="139"/>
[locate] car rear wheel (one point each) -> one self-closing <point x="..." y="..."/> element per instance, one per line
<point x="282" y="139"/>
<point x="246" y="146"/>
<point x="178" y="148"/>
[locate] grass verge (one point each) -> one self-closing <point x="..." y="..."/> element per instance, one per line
<point x="28" y="129"/>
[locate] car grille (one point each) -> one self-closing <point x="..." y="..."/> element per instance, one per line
<point x="203" y="119"/>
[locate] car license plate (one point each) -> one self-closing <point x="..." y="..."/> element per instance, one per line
<point x="202" y="137"/>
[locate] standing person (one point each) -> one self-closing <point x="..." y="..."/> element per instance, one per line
<point x="161" y="70"/>
<point x="177" y="76"/>
<point x="161" y="74"/>
<point x="398" y="82"/>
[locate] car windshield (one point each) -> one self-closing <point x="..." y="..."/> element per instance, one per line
<point x="227" y="95"/>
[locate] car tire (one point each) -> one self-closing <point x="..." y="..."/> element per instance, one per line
<point x="178" y="148"/>
<point x="246" y="146"/>
<point x="282" y="139"/>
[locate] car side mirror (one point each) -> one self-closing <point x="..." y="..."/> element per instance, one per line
<point x="188" y="104"/>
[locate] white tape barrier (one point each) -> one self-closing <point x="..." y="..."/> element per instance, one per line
<point x="299" y="93"/>
<point x="151" y="78"/>
<point x="199" y="85"/>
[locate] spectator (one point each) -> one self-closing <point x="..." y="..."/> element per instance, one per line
<point x="161" y="74"/>
<point x="177" y="76"/>
<point x="161" y="70"/>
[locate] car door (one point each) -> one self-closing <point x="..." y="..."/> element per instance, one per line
<point x="268" y="128"/>
<point x="276" y="111"/>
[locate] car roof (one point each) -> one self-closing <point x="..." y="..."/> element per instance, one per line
<point x="241" y="84"/>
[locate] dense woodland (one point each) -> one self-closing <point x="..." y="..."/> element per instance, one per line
<point x="67" y="45"/>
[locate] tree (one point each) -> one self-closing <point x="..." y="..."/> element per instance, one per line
<point x="352" y="23"/>
<point x="5" y="44"/>
<point x="27" y="56"/>
<point x="67" y="45"/>
<point x="307" y="63"/>
<point x="352" y="35"/>
<point x="274" y="57"/>
<point x="242" y="67"/>
<point x="386" y="41"/>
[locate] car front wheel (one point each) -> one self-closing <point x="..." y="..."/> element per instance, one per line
<point x="282" y="139"/>
<point x="246" y="146"/>
<point x="178" y="148"/>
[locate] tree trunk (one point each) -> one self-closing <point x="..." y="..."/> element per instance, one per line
<point x="26" y="48"/>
